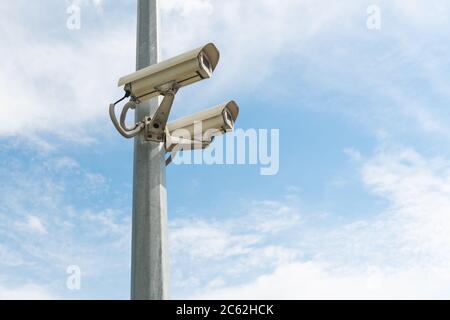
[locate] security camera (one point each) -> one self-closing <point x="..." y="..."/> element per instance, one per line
<point x="185" y="69"/>
<point x="219" y="120"/>
<point x="198" y="130"/>
<point x="166" y="78"/>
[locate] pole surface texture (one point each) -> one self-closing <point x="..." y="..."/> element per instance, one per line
<point x="149" y="262"/>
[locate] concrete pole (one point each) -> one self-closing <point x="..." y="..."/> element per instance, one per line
<point x="149" y="261"/>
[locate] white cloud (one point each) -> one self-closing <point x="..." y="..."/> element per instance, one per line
<point x="235" y="236"/>
<point x="65" y="162"/>
<point x="204" y="240"/>
<point x="253" y="36"/>
<point x="271" y="217"/>
<point x="35" y="224"/>
<point x="209" y="251"/>
<point x="419" y="192"/>
<point x="401" y="253"/>
<point x="58" y="85"/>
<point x="187" y="8"/>
<point x="44" y="229"/>
<point x="315" y="281"/>
<point x="27" y="292"/>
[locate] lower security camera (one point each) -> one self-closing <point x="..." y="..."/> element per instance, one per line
<point x="197" y="131"/>
<point x="219" y="119"/>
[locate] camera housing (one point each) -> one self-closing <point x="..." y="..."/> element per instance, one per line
<point x="200" y="128"/>
<point x="184" y="69"/>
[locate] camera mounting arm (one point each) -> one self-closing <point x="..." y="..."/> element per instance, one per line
<point x="125" y="131"/>
<point x="155" y="126"/>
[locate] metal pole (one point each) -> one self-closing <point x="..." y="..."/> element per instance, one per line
<point x="149" y="262"/>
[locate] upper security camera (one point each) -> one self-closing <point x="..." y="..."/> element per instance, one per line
<point x="181" y="70"/>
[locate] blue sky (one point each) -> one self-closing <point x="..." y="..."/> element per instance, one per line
<point x="358" y="209"/>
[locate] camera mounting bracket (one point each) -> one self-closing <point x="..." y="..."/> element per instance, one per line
<point x="155" y="126"/>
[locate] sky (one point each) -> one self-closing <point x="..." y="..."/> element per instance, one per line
<point x="358" y="208"/>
